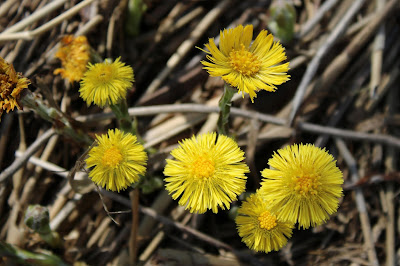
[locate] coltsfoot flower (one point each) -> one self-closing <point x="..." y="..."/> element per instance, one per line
<point x="303" y="184"/>
<point x="118" y="160"/>
<point x="249" y="67"/>
<point x="260" y="228"/>
<point x="74" y="54"/>
<point x="12" y="84"/>
<point x="208" y="172"/>
<point x="106" y="83"/>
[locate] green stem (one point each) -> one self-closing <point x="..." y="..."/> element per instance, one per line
<point x="136" y="8"/>
<point x="224" y="110"/>
<point x="124" y="120"/>
<point x="60" y="121"/>
<point x="18" y="256"/>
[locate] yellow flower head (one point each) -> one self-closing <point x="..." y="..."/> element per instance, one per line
<point x="207" y="171"/>
<point x="303" y="184"/>
<point x="259" y="228"/>
<point x="11" y="86"/>
<point x="117" y="161"/>
<point x="74" y="54"/>
<point x="106" y="83"/>
<point x="249" y="67"/>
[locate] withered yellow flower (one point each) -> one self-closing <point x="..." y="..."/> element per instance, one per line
<point x="247" y="66"/>
<point x="74" y="54"/>
<point x="303" y="185"/>
<point x="12" y="84"/>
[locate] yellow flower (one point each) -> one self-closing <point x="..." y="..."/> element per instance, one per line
<point x="303" y="184"/>
<point x="117" y="161"/>
<point x="11" y="86"/>
<point x="249" y="67"/>
<point x="259" y="227"/>
<point x="208" y="172"/>
<point x="106" y="83"/>
<point x="74" y="54"/>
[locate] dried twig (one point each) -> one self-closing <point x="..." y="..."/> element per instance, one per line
<point x="133" y="241"/>
<point x="340" y="62"/>
<point x="36" y="16"/>
<point x="391" y="164"/>
<point x="29" y="35"/>
<point x="206" y="238"/>
<point x="310" y="24"/>
<point x="314" y="64"/>
<point x="360" y="202"/>
<point x="199" y="108"/>
<point x="188" y="44"/>
<point x="32" y="180"/>
<point x="19" y="162"/>
<point x="358" y="79"/>
<point x="377" y="54"/>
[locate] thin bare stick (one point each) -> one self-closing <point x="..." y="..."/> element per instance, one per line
<point x="206" y="238"/>
<point x="29" y="35"/>
<point x="390" y="226"/>
<point x="181" y="108"/>
<point x="314" y="64"/>
<point x="5" y="6"/>
<point x="104" y="205"/>
<point x="29" y="186"/>
<point x="63" y="173"/>
<point x="358" y="79"/>
<point x="391" y="163"/>
<point x="186" y="19"/>
<point x="151" y="142"/>
<point x="110" y="30"/>
<point x="344" y="59"/>
<point x="199" y="108"/>
<point x="92" y="23"/>
<point x="57" y="170"/>
<point x="310" y="24"/>
<point x="133" y="247"/>
<point x="35" y="16"/>
<point x="349" y="134"/>
<point x="94" y="238"/>
<point x="19" y="162"/>
<point x="188" y="44"/>
<point x="64" y="212"/>
<point x="51" y="51"/>
<point x="160" y="204"/>
<point x="377" y="54"/>
<point x="80" y="186"/>
<point x="360" y="202"/>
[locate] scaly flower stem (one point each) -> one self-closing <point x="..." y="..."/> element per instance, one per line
<point x="54" y="116"/>
<point x="225" y="108"/>
<point x="124" y="120"/>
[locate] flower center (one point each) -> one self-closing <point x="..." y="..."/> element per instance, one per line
<point x="307" y="185"/>
<point x="267" y="220"/>
<point x="112" y="157"/>
<point x="203" y="167"/>
<point x="106" y="73"/>
<point x="244" y="61"/>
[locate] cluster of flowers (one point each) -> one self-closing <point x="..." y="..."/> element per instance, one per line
<point x="303" y="186"/>
<point x="207" y="172"/>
